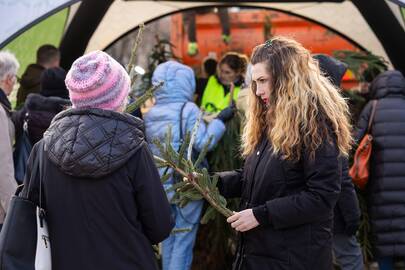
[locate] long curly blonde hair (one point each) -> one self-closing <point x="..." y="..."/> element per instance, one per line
<point x="304" y="109"/>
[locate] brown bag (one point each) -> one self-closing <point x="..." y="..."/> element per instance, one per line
<point x="359" y="172"/>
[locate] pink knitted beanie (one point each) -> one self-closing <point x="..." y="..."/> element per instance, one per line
<point x="96" y="80"/>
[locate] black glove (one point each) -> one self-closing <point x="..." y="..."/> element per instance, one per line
<point x="227" y="113"/>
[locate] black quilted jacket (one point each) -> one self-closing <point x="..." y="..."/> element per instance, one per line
<point x="386" y="187"/>
<point x="104" y="200"/>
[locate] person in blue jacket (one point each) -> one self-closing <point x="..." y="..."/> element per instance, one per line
<point x="174" y="108"/>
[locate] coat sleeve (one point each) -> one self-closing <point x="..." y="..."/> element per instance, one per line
<point x="348" y="203"/>
<point x="317" y="201"/>
<point x="18" y="119"/>
<point x="362" y="123"/>
<point x="230" y="184"/>
<point x="214" y="129"/>
<point x="8" y="184"/>
<point x="154" y="209"/>
<point x="31" y="186"/>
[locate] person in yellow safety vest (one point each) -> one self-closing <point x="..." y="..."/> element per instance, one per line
<point x="231" y="70"/>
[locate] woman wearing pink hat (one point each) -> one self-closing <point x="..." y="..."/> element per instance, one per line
<point x="104" y="201"/>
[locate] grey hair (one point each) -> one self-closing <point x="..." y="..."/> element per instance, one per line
<point x="8" y="64"/>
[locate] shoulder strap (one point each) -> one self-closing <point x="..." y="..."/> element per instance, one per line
<point x="7" y="110"/>
<point x="370" y="121"/>
<point x="181" y="122"/>
<point x="37" y="170"/>
<point x="40" y="155"/>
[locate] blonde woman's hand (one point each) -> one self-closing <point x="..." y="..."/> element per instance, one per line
<point x="243" y="221"/>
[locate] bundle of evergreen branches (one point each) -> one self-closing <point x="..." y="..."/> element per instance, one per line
<point x="194" y="183"/>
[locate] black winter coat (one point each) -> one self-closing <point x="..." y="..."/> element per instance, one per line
<point x="104" y="200"/>
<point x="386" y="187"/>
<point x="39" y="112"/>
<point x="347" y="210"/>
<point x="293" y="202"/>
<point x="30" y="83"/>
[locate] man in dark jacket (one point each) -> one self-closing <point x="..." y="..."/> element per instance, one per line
<point x="48" y="56"/>
<point x="103" y="197"/>
<point x="347" y="212"/>
<point x="386" y="186"/>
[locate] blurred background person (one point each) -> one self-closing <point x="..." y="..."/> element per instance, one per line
<point x="48" y="56"/>
<point x="8" y="77"/>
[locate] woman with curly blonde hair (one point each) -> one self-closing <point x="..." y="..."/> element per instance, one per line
<point x="296" y="136"/>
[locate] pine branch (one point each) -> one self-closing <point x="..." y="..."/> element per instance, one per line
<point x="142" y="99"/>
<point x="138" y="40"/>
<point x="205" y="191"/>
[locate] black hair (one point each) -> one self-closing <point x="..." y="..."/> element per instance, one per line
<point x="46" y="53"/>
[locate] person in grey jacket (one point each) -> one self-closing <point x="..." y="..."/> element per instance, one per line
<point x="8" y="73"/>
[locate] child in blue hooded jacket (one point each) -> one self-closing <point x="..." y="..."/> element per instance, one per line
<point x="174" y="107"/>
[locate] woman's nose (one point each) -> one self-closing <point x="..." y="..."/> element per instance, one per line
<point x="258" y="92"/>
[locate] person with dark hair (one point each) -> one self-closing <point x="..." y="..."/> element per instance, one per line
<point x="104" y="202"/>
<point x="53" y="83"/>
<point x="346" y="216"/>
<point x="386" y="185"/>
<point x="40" y="109"/>
<point x="230" y="73"/>
<point x="210" y="67"/>
<point x="48" y="56"/>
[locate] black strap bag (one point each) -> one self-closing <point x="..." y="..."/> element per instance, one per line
<point x="20" y="245"/>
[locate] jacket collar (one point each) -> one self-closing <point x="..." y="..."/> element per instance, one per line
<point x="4" y="100"/>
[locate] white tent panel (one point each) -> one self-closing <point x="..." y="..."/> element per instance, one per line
<point x="125" y="15"/>
<point x="18" y="14"/>
<point x="343" y="17"/>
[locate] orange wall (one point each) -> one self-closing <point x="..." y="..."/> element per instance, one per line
<point x="247" y="30"/>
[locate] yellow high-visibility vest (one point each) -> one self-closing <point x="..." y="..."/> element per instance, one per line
<point x="214" y="98"/>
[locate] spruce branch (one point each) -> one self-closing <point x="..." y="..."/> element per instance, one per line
<point x="133" y="74"/>
<point x="142" y="99"/>
<point x="206" y="191"/>
<point x="138" y="40"/>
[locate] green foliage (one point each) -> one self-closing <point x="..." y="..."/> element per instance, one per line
<point x="193" y="183"/>
<point x="364" y="234"/>
<point x="226" y="156"/>
<point x="216" y="240"/>
<point x="364" y="65"/>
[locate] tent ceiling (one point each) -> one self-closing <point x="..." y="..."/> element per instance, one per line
<point x="123" y="16"/>
<point x="343" y="17"/>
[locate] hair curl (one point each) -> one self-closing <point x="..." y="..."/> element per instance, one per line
<point x="304" y="109"/>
